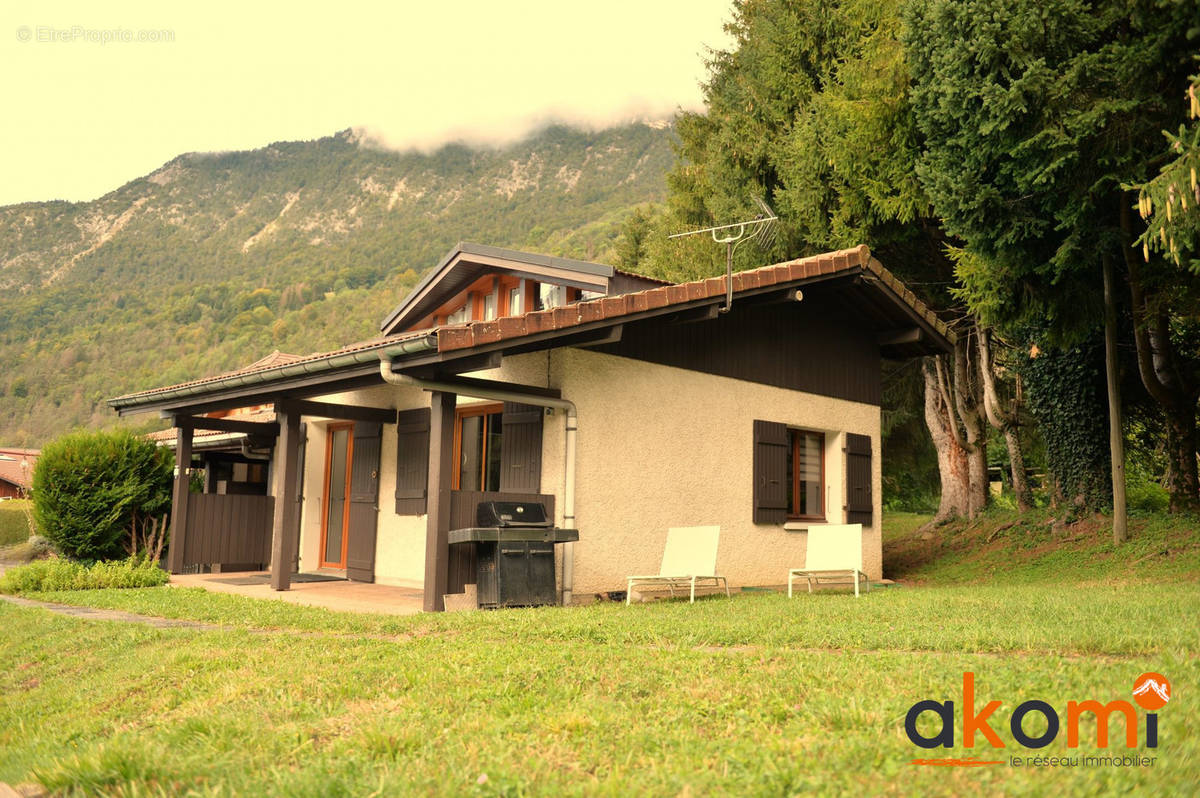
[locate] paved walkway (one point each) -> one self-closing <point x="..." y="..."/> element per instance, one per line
<point x="340" y="595"/>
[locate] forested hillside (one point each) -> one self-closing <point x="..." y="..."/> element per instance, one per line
<point x="215" y="259"/>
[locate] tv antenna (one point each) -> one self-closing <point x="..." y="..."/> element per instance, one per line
<point x="761" y="230"/>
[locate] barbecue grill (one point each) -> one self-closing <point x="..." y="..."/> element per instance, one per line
<point x="514" y="553"/>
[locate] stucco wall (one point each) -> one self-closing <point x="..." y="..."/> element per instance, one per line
<point x="662" y="447"/>
<point x="658" y="447"/>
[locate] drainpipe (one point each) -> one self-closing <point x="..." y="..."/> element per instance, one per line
<point x="393" y="377"/>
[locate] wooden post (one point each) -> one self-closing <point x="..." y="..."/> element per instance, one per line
<point x="441" y="468"/>
<point x="284" y="528"/>
<point x="179" y="501"/>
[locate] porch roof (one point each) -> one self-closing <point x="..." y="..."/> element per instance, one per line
<point x="882" y="300"/>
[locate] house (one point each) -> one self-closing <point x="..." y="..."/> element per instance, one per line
<point x="16" y="472"/>
<point x="625" y="404"/>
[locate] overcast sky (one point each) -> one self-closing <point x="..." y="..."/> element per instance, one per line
<point x="97" y="94"/>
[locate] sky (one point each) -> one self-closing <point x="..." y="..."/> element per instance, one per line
<point x="98" y="94"/>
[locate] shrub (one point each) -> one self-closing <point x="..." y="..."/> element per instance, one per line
<point x="14" y="521"/>
<point x="91" y="488"/>
<point x="61" y="574"/>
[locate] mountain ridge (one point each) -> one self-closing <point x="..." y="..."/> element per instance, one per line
<point x="213" y="259"/>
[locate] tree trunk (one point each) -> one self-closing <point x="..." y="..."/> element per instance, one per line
<point x="1007" y="422"/>
<point x="1159" y="369"/>
<point x="970" y="414"/>
<point x="953" y="468"/>
<point x="1116" y="438"/>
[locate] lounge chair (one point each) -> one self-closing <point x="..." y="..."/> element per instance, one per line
<point x="690" y="558"/>
<point x="834" y="552"/>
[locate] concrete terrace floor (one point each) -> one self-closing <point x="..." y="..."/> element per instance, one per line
<point x="340" y="595"/>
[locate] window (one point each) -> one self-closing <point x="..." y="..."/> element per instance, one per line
<point x="514" y="302"/>
<point x="806" y="474"/>
<point x="478" y="446"/>
<point x="489" y="306"/>
<point x="460" y="316"/>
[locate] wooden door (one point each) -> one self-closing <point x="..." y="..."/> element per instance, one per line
<point x="335" y="521"/>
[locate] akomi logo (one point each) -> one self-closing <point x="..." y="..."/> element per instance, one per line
<point x="1151" y="691"/>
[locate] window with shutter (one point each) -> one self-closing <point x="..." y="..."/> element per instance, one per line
<point x="859" y="500"/>
<point x="806" y="474"/>
<point x="770" y="472"/>
<point x="412" y="461"/>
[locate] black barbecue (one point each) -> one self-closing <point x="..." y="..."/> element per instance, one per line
<point x="514" y="553"/>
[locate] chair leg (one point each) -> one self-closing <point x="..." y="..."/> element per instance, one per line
<point x="629" y="593"/>
<point x="809" y="578"/>
<point x="693" y="601"/>
<point x="725" y="582"/>
<point x="856" y="584"/>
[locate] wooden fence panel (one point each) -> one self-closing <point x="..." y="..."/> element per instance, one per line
<point x="228" y="529"/>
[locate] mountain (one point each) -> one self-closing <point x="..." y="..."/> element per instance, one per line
<point x="217" y="258"/>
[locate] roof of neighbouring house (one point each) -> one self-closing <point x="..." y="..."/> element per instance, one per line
<point x="167" y="436"/>
<point x="890" y="304"/>
<point x="16" y="466"/>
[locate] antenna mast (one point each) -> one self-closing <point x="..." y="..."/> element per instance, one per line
<point x="761" y="229"/>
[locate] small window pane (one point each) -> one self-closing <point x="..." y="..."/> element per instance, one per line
<point x="489" y="307"/>
<point x="494" y="443"/>
<point x="514" y="302"/>
<point x="471" y="453"/>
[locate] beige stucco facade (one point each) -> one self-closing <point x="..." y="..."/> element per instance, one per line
<point x="658" y="447"/>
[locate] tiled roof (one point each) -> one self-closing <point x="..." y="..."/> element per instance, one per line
<point x="477" y="333"/>
<point x="277" y="360"/>
<point x="471" y="334"/>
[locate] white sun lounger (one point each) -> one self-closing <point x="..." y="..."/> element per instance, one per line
<point x="834" y="551"/>
<point x="689" y="559"/>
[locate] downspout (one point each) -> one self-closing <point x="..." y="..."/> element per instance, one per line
<point x="393" y="377"/>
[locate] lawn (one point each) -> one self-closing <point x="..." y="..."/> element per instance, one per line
<point x="757" y="695"/>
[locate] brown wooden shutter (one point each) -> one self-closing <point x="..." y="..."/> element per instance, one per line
<point x="521" y="449"/>
<point x="859" y="503"/>
<point x="770" y="472"/>
<point x="364" y="502"/>
<point x="412" y="461"/>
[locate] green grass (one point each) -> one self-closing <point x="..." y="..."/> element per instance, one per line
<point x="757" y="695"/>
<point x="14" y="521"/>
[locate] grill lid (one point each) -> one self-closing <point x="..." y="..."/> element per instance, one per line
<point x="511" y="514"/>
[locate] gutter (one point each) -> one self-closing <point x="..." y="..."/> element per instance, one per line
<point x="393" y="377"/>
<point x="327" y="363"/>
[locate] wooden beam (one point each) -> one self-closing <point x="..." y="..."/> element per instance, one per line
<point x="482" y="362"/>
<point x="270" y="428"/>
<point x="179" y="500"/>
<point x="437" y="528"/>
<point x="911" y="335"/>
<point x="381" y="415"/>
<point x="495" y="385"/>
<point x="284" y="527"/>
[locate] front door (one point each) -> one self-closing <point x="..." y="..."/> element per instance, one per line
<point x="335" y="525"/>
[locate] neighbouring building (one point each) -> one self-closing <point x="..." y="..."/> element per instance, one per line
<point x="16" y="472"/>
<point x="626" y="404"/>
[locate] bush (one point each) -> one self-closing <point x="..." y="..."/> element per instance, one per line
<point x="14" y="522"/>
<point x="60" y="574"/>
<point x="91" y="488"/>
